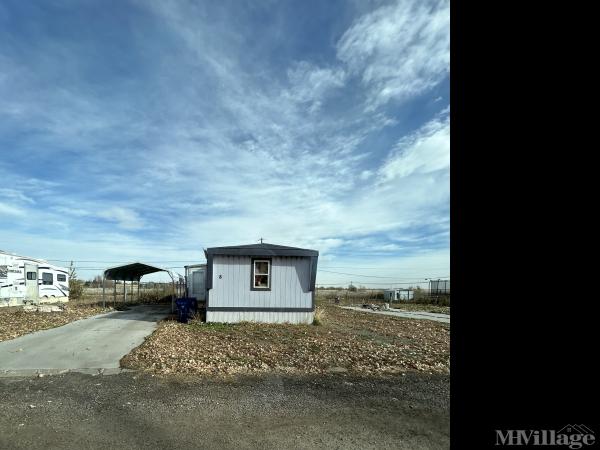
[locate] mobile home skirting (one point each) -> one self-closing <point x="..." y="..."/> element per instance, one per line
<point x="260" y="316"/>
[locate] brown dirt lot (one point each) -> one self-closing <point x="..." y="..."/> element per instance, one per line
<point x="347" y="342"/>
<point x="139" y="411"/>
<point x="15" y="322"/>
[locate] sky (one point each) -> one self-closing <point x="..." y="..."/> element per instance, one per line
<point x="148" y="131"/>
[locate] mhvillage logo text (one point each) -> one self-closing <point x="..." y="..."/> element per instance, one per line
<point x="573" y="436"/>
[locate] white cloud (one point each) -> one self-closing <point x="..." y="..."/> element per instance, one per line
<point x="125" y="218"/>
<point x="11" y="210"/>
<point x="366" y="174"/>
<point x="15" y="194"/>
<point x="311" y="84"/>
<point x="265" y="161"/>
<point x="399" y="50"/>
<point x="427" y="150"/>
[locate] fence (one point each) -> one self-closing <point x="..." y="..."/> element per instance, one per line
<point x="439" y="287"/>
<point x="366" y="295"/>
<point x="150" y="292"/>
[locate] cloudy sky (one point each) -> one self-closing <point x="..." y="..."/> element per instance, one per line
<point x="149" y="130"/>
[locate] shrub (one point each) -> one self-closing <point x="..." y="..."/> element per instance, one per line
<point x="75" y="285"/>
<point x="319" y="316"/>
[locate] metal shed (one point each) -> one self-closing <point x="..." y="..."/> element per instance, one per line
<point x="132" y="272"/>
<point x="395" y="295"/>
<point x="260" y="283"/>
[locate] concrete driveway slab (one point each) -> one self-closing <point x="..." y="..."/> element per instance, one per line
<point x="407" y="314"/>
<point x="92" y="345"/>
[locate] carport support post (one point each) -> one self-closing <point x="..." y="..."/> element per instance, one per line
<point x="114" y="292"/>
<point x="103" y="294"/>
<point x="124" y="291"/>
<point x="138" y="283"/>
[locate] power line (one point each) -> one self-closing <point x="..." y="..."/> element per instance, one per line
<point x="372" y="276"/>
<point x="352" y="274"/>
<point x="322" y="268"/>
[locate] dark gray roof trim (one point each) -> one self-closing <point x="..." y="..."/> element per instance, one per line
<point x="260" y="250"/>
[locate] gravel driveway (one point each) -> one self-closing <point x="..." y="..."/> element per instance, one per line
<point x="134" y="411"/>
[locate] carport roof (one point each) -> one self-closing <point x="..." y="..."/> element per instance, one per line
<point x="131" y="272"/>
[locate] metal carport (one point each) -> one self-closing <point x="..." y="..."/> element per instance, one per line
<point x="133" y="272"/>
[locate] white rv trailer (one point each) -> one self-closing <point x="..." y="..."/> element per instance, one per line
<point x="29" y="280"/>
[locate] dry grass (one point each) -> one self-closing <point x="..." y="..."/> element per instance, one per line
<point x="319" y="316"/>
<point x="421" y="301"/>
<point x="16" y="322"/>
<point x="356" y="342"/>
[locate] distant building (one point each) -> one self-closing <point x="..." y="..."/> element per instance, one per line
<point x="395" y="295"/>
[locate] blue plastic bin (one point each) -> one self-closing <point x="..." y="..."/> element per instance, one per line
<point x="183" y="309"/>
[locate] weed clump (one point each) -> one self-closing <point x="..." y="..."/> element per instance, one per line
<point x="319" y="317"/>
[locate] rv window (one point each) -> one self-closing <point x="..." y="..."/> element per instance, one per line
<point x="261" y="278"/>
<point x="46" y="278"/>
<point x="61" y="277"/>
<point x="31" y="275"/>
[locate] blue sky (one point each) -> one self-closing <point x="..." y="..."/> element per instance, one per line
<point x="136" y="130"/>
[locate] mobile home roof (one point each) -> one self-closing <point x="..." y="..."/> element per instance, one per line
<point x="260" y="250"/>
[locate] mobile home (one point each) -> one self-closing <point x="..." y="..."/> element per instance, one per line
<point x="260" y="283"/>
<point x="30" y="280"/>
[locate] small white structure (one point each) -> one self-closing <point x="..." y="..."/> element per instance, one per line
<point x="395" y="295"/>
<point x="195" y="277"/>
<point x="30" y="280"/>
<point x="260" y="283"/>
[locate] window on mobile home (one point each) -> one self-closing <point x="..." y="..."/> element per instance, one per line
<point x="31" y="276"/>
<point x="262" y="274"/>
<point x="47" y="278"/>
<point x="61" y="277"/>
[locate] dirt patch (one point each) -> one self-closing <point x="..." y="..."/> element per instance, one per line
<point x="359" y="343"/>
<point x="134" y="411"/>
<point x="15" y="322"/>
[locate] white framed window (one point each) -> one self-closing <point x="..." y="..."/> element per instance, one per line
<point x="261" y="274"/>
<point x="61" y="277"/>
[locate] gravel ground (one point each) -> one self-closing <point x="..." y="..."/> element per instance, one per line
<point x="356" y="342"/>
<point x="15" y="322"/>
<point x="421" y="307"/>
<point x="134" y="411"/>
